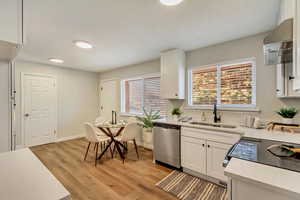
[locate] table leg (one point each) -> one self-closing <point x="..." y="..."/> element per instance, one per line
<point x="119" y="150"/>
<point x="106" y="148"/>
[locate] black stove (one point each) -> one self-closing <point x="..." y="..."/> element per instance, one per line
<point x="256" y="150"/>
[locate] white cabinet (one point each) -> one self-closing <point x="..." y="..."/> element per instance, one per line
<point x="285" y="83"/>
<point x="173" y="74"/>
<point x="296" y="61"/>
<point x="204" y="151"/>
<point x="193" y="154"/>
<point x="11" y="14"/>
<point x="290" y="9"/>
<point x="216" y="153"/>
<point x="11" y="31"/>
<point x="287" y="10"/>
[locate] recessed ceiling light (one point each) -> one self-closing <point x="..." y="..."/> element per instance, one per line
<point x="171" y="2"/>
<point x="83" y="44"/>
<point x="56" y="60"/>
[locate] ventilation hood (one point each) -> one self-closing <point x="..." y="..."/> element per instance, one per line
<point x="278" y="45"/>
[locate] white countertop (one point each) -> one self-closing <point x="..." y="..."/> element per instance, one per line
<point x="24" y="177"/>
<point x="187" y="124"/>
<point x="246" y="132"/>
<point x="264" y="175"/>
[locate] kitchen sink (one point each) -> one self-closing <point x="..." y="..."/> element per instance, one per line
<point x="213" y="125"/>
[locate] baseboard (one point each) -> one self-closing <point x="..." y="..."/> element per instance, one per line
<point x="20" y="147"/>
<point x="72" y="137"/>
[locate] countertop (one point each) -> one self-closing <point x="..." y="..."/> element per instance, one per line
<point x="265" y="176"/>
<point x="285" y="180"/>
<point x="23" y="176"/>
<point x="246" y="132"/>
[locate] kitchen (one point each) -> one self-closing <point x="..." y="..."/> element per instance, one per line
<point x="192" y="74"/>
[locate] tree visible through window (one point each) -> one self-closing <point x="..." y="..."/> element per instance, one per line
<point x="143" y="92"/>
<point x="231" y="84"/>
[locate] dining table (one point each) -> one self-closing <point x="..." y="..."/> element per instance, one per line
<point x="106" y="128"/>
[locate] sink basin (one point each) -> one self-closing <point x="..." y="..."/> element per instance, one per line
<point x="213" y="125"/>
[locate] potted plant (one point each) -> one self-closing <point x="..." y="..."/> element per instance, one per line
<point x="147" y="123"/>
<point x="176" y="112"/>
<point x="287" y="115"/>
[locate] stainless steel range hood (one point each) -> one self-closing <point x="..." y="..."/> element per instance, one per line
<point x="278" y="45"/>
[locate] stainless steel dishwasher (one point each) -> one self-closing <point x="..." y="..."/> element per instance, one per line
<point x="167" y="144"/>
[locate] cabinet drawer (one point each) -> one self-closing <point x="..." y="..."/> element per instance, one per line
<point x="216" y="136"/>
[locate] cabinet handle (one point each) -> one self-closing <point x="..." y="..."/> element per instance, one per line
<point x="208" y="146"/>
<point x="203" y="145"/>
<point x="176" y="94"/>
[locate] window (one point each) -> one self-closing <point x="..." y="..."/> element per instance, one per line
<point x="228" y="85"/>
<point x="142" y="92"/>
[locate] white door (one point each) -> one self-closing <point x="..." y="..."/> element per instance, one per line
<point x="39" y="96"/>
<point x="108" y="98"/>
<point x="193" y="154"/>
<point x="216" y="153"/>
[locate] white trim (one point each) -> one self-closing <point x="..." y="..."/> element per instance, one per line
<point x="72" y="137"/>
<point x="23" y="74"/>
<point x="238" y="61"/>
<point x="219" y="66"/>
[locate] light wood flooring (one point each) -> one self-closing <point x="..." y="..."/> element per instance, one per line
<point x="111" y="179"/>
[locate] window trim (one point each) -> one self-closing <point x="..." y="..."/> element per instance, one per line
<point x="122" y="89"/>
<point x="243" y="107"/>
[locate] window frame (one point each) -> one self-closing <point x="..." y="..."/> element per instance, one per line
<point x="122" y="96"/>
<point x="247" y="107"/>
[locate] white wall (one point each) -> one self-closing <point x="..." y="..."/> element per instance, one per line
<point x="242" y="48"/>
<point x="4" y="107"/>
<point x="77" y="97"/>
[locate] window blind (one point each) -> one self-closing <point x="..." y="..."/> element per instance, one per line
<point x="143" y="92"/>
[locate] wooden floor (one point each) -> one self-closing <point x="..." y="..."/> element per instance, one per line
<point x="111" y="179"/>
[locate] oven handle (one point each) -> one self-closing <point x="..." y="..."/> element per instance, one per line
<point x="227" y="158"/>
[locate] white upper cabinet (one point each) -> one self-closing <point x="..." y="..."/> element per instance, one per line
<point x="296" y="61"/>
<point x="173" y="74"/>
<point x="287" y="10"/>
<point x="11" y="28"/>
<point x="291" y="9"/>
<point x="11" y="14"/>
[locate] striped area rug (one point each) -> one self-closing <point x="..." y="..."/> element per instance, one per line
<point x="187" y="187"/>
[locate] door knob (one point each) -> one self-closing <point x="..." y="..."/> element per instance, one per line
<point x="26" y="115"/>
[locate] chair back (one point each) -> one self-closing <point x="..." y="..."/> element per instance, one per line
<point x="131" y="131"/>
<point x="100" y="120"/>
<point x="91" y="132"/>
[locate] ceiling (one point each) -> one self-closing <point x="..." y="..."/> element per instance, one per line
<point x="126" y="32"/>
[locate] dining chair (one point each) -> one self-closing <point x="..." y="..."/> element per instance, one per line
<point x="100" y="120"/>
<point x="93" y="135"/>
<point x="130" y="133"/>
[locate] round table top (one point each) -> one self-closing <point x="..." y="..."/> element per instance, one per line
<point x="110" y="125"/>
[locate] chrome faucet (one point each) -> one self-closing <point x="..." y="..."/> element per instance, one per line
<point x="216" y="118"/>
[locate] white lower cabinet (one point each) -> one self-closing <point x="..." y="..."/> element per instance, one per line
<point x="216" y="153"/>
<point x="204" y="151"/>
<point x="193" y="153"/>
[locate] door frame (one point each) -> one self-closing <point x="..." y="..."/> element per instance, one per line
<point x="23" y="75"/>
<point x="117" y="91"/>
